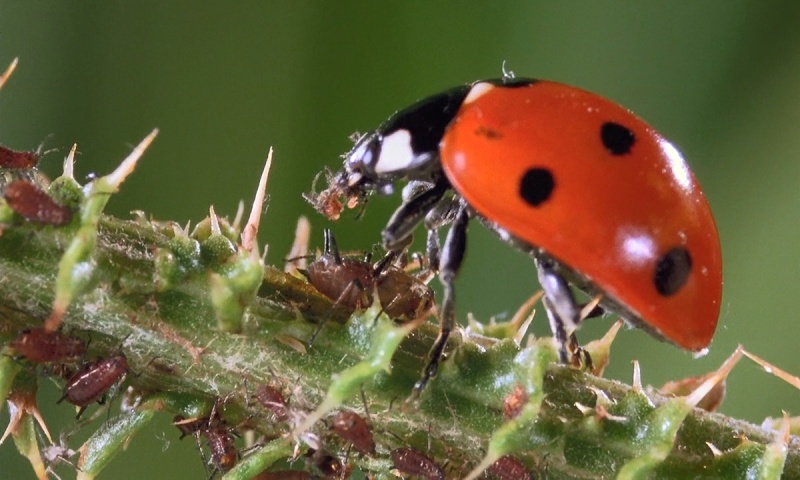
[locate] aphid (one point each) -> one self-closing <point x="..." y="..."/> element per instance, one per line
<point x="94" y="380"/>
<point x="412" y="462"/>
<point x="41" y="346"/>
<point x="514" y="402"/>
<point x="273" y="400"/>
<point x="35" y="205"/>
<point x="509" y="468"/>
<point x="354" y="429"/>
<point x="13" y="159"/>
<point x="218" y="435"/>
<point x="351" y="282"/>
<point x="222" y="446"/>
<point x="596" y="196"/>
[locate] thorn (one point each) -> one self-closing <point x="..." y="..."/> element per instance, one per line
<point x="587" y="309"/>
<point x="212" y="216"/>
<point x="299" y="250"/>
<point x="637" y="377"/>
<point x="69" y="162"/>
<point x="770" y="368"/>
<point x="8" y="72"/>
<point x="251" y="228"/>
<point x="125" y="168"/>
<point x="237" y="220"/>
<point x="721" y="374"/>
<point x="714" y="450"/>
<point x="520" y="320"/>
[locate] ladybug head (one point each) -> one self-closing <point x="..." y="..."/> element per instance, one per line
<point x="362" y="173"/>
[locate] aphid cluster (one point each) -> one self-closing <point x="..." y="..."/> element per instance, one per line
<point x="353" y="283"/>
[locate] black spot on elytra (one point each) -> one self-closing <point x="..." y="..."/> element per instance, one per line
<point x="617" y="139"/>
<point x="672" y="271"/>
<point x="536" y="186"/>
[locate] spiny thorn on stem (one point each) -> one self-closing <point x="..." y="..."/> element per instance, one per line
<point x="700" y="392"/>
<point x="212" y="216"/>
<point x="250" y="230"/>
<point x="299" y="250"/>
<point x="8" y="72"/>
<point x="69" y="162"/>
<point x="125" y="168"/>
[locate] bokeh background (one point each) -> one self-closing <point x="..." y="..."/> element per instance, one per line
<point x="225" y="81"/>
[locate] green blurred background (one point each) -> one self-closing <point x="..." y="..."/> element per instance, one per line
<point x="224" y="82"/>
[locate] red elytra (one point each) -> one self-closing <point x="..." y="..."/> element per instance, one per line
<point x="611" y="216"/>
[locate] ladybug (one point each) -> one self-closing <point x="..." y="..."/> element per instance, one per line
<point x="596" y="196"/>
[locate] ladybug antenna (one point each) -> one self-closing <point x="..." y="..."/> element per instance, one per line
<point x="330" y="247"/>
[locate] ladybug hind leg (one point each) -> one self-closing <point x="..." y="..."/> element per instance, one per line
<point x="563" y="313"/>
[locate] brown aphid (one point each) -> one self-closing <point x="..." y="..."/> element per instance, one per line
<point x="13" y="159"/>
<point x="514" y="402"/>
<point x="354" y="429"/>
<point x="41" y="346"/>
<point x="509" y="468"/>
<point x="94" y="380"/>
<point x="222" y="446"/>
<point x="35" y="205"/>
<point x="350" y="282"/>
<point x="273" y="400"/>
<point x="413" y="462"/>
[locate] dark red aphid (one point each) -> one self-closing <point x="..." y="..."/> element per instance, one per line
<point x="413" y="462"/>
<point x="273" y="400"/>
<point x="217" y="433"/>
<point x="40" y="346"/>
<point x="222" y="446"/>
<point x="351" y="282"/>
<point x="509" y="468"/>
<point x="354" y="429"/>
<point x="13" y="159"/>
<point x="94" y="380"/>
<point x="35" y="205"/>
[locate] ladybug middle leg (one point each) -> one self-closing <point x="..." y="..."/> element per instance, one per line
<point x="455" y="246"/>
<point x="563" y="312"/>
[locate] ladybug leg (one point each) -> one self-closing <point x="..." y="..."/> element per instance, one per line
<point x="452" y="255"/>
<point x="397" y="234"/>
<point x="563" y="312"/>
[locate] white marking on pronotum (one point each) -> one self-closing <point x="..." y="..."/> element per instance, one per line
<point x="396" y="153"/>
<point x="477" y="90"/>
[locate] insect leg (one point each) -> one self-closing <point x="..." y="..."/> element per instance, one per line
<point x="452" y="255"/>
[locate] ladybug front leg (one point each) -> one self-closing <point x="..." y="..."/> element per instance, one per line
<point x="563" y="312"/>
<point x="455" y="246"/>
<point x="397" y="234"/>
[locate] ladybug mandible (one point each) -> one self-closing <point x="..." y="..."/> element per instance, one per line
<point x="595" y="195"/>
